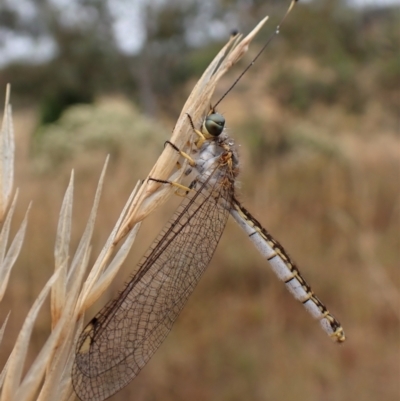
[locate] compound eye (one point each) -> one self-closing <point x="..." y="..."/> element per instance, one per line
<point x="214" y="124"/>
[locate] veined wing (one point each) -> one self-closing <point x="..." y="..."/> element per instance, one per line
<point x="123" y="336"/>
<point x="287" y="271"/>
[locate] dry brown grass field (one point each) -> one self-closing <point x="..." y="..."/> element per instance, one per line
<point x="324" y="182"/>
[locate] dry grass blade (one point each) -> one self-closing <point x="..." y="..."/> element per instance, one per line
<point x="7" y="259"/>
<point x="18" y="355"/>
<point x="77" y="268"/>
<point x="54" y="360"/>
<point x="58" y="350"/>
<point x="4" y="234"/>
<point x="96" y="277"/>
<point x="196" y="106"/>
<point x="6" y="156"/>
<point x="108" y="276"/>
<point x="61" y="253"/>
<point x="12" y="253"/>
<point x="48" y="358"/>
<point x="54" y="355"/>
<point x="3" y="372"/>
<point x="3" y="327"/>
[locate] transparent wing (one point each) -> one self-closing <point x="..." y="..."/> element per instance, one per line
<point x="123" y="336"/>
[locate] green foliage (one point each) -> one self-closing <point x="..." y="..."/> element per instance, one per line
<point x="265" y="140"/>
<point x="300" y="91"/>
<point x="350" y="43"/>
<point x="356" y="49"/>
<point x="52" y="106"/>
<point x="389" y="73"/>
<point x="112" y="125"/>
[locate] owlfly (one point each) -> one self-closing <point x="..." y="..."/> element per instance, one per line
<point x="119" y="341"/>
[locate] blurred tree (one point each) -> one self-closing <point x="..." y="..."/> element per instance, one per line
<point x="176" y="40"/>
<point x="160" y="66"/>
<point x="85" y="59"/>
<point x="86" y="56"/>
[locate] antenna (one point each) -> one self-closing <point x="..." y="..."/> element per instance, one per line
<point x="272" y="36"/>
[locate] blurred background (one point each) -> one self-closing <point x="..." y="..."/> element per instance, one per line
<point x="316" y="121"/>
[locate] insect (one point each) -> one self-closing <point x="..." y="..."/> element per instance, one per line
<point x="119" y="341"/>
